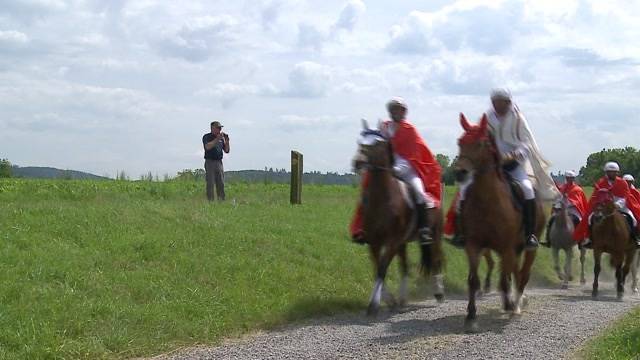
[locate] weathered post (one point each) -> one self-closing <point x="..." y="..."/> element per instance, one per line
<point x="296" y="177"/>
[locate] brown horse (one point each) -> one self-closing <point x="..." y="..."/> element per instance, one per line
<point x="610" y="234"/>
<point x="389" y="221"/>
<point x="490" y="218"/>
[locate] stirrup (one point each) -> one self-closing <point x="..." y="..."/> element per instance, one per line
<point x="531" y="242"/>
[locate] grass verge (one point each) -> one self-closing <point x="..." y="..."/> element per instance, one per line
<point x="120" y="269"/>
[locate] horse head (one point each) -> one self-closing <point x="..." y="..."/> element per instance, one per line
<point x="374" y="149"/>
<point x="477" y="150"/>
<point x="603" y="203"/>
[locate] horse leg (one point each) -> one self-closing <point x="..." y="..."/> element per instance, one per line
<point x="384" y="258"/>
<point x="597" y="254"/>
<point x="470" y="322"/>
<point x="583" y="253"/>
<point x="556" y="262"/>
<point x="568" y="271"/>
<point x="626" y="266"/>
<point x="634" y="271"/>
<point x="507" y="269"/>
<point x="619" y="282"/>
<point x="438" y="287"/>
<point x="490" y="266"/>
<point x="404" y="272"/>
<point x="523" y="279"/>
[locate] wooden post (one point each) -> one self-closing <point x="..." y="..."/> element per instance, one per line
<point x="296" y="177"/>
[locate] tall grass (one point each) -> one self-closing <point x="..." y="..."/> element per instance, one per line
<point x="115" y="269"/>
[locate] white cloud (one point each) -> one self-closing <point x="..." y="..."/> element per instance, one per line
<point x="12" y="37"/>
<point x="309" y="36"/>
<point x="308" y="80"/>
<point x="349" y="15"/>
<point x="200" y="38"/>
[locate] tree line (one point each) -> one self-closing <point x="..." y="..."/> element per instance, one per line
<point x="628" y="158"/>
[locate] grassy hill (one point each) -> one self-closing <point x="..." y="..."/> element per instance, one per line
<point x="116" y="269"/>
<point x="38" y="172"/>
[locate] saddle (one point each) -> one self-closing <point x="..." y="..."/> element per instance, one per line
<point x="516" y="192"/>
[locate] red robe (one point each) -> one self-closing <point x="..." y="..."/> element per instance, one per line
<point x="576" y="196"/>
<point x="618" y="188"/>
<point x="635" y="193"/>
<point x="408" y="143"/>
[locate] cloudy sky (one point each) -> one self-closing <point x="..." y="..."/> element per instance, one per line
<point x="103" y="86"/>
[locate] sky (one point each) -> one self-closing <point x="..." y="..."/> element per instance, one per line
<point x="108" y="86"/>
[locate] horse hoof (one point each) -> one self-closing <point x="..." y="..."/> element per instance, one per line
<point x="517" y="311"/>
<point x="509" y="307"/>
<point x="471" y="327"/>
<point x="439" y="298"/>
<point x="486" y="290"/>
<point x="635" y="291"/>
<point x="594" y="294"/>
<point x="619" y="296"/>
<point x="583" y="281"/>
<point x="564" y="286"/>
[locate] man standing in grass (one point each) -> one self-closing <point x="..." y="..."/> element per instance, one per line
<point x="216" y="143"/>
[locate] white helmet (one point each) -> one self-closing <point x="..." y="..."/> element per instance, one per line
<point x="570" y="173"/>
<point x="396" y="101"/>
<point x="628" y="177"/>
<point x="611" y="166"/>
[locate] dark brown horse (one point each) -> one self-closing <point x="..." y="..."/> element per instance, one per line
<point x="610" y="234"/>
<point x="490" y="219"/>
<point x="389" y="221"/>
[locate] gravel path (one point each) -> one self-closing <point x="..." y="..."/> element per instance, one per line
<point x="553" y="325"/>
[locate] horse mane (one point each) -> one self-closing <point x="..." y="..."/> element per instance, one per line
<point x="477" y="133"/>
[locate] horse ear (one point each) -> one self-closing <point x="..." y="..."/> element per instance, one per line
<point x="483" y="122"/>
<point x="465" y="124"/>
<point x="365" y="124"/>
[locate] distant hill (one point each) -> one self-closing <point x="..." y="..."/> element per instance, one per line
<point x="38" y="172"/>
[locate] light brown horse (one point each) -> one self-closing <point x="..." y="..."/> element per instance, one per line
<point x="490" y="219"/>
<point x="389" y="221"/>
<point x="610" y="234"/>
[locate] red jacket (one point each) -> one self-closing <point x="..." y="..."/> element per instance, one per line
<point x="409" y="144"/>
<point x="576" y="196"/>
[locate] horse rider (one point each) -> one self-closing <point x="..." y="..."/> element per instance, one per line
<point x="622" y="197"/>
<point x="632" y="189"/>
<point x="577" y="202"/>
<point x="414" y="164"/>
<point x="521" y="159"/>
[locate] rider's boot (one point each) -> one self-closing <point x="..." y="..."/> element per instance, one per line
<point x="529" y="214"/>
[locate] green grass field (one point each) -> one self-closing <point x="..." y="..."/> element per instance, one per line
<point x="620" y="341"/>
<point x="121" y="269"/>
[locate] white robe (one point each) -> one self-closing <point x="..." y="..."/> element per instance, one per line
<point x="512" y="133"/>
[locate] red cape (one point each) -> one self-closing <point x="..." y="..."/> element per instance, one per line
<point x="618" y="188"/>
<point x="409" y="144"/>
<point x="576" y="196"/>
<point x="635" y="193"/>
